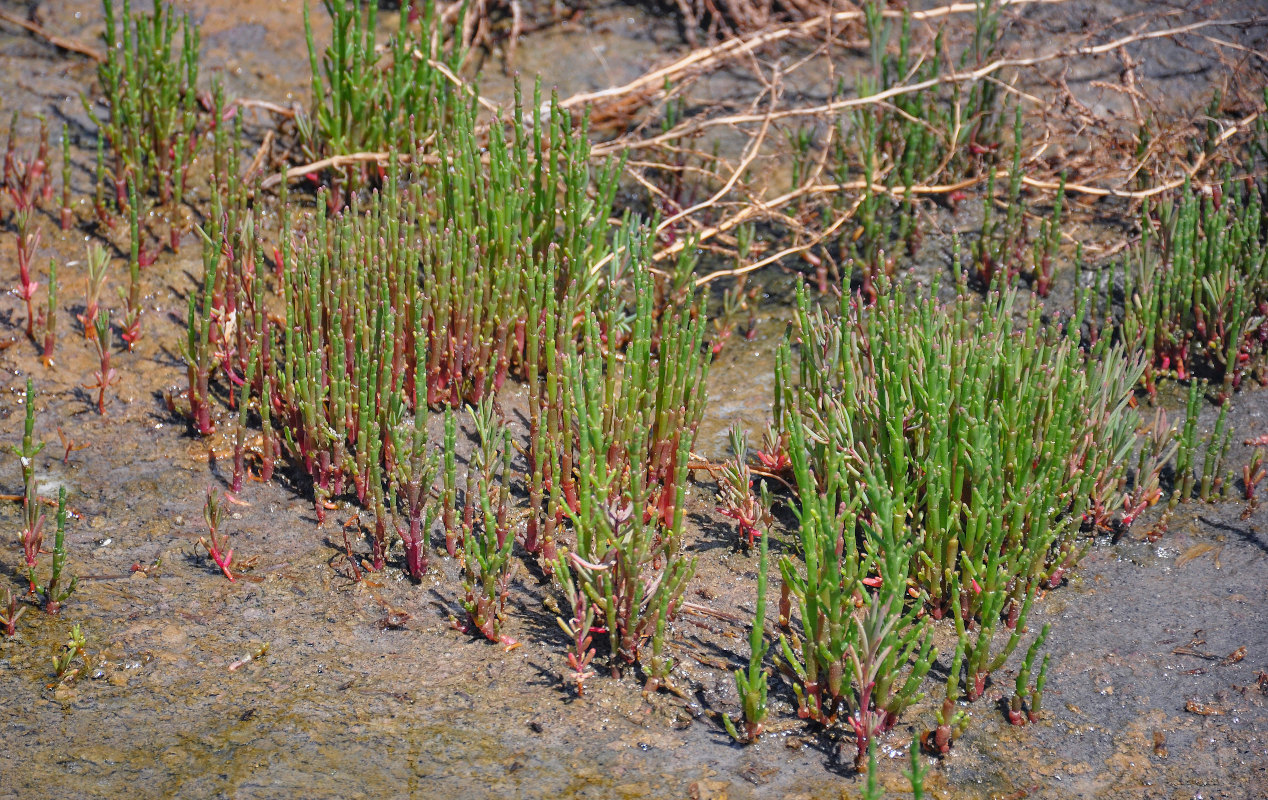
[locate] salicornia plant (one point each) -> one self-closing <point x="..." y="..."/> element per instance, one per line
<point x="636" y="412"/>
<point x="1197" y="285"/>
<point x="365" y="101"/>
<point x="55" y="592"/>
<point x="11" y="613"/>
<point x="751" y="684"/>
<point x="150" y="81"/>
<point x="469" y="266"/>
<point x="487" y="538"/>
<point x="736" y="499"/>
<point x="32" y="535"/>
<point x="216" y="542"/>
<point x="947" y="460"/>
<point x="1017" y="705"/>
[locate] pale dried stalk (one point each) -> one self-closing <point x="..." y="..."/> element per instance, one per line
<point x="738" y="46"/>
<point x="694" y="127"/>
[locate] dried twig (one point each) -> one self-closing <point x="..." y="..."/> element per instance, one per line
<point x="696" y="126"/>
<point x="61" y="42"/>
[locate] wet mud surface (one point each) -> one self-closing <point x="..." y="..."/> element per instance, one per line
<point x="365" y="689"/>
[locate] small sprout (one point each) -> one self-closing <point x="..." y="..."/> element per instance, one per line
<point x="247" y="659"/>
<point x="9" y="617"/>
<point x="579" y="629"/>
<point x="214" y="543"/>
<point x="67" y="653"/>
<point x="735" y="493"/>
<point x="69" y="445"/>
<point x="105" y="374"/>
<point x="50" y="315"/>
<point x="98" y="264"/>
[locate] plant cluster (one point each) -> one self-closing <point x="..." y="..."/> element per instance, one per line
<point x="948" y="461"/>
<point x="477" y="262"/>
<point x="28" y="184"/>
<point x="1196" y="287"/>
<point x="1006" y="248"/>
<point x="933" y="135"/>
<point x="53" y="593"/>
<point x="945" y="462"/>
<point x="368" y="98"/>
<point x="431" y="292"/>
<point x="149" y="79"/>
<point x="635" y="414"/>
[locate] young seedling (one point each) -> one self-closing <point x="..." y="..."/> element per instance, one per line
<point x="28" y="242"/>
<point x="579" y="629"/>
<point x="735" y="493"/>
<point x="50" y="315"/>
<point x="69" y="445"/>
<point x="105" y="374"/>
<point x="54" y="594"/>
<point x="98" y="264"/>
<point x="65" y="657"/>
<point x="214" y="543"/>
<point x="32" y="535"/>
<point x="67" y="215"/>
<point x="774" y="453"/>
<point x="9" y="617"/>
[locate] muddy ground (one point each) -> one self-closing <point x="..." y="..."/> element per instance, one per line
<point x="1147" y="697"/>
